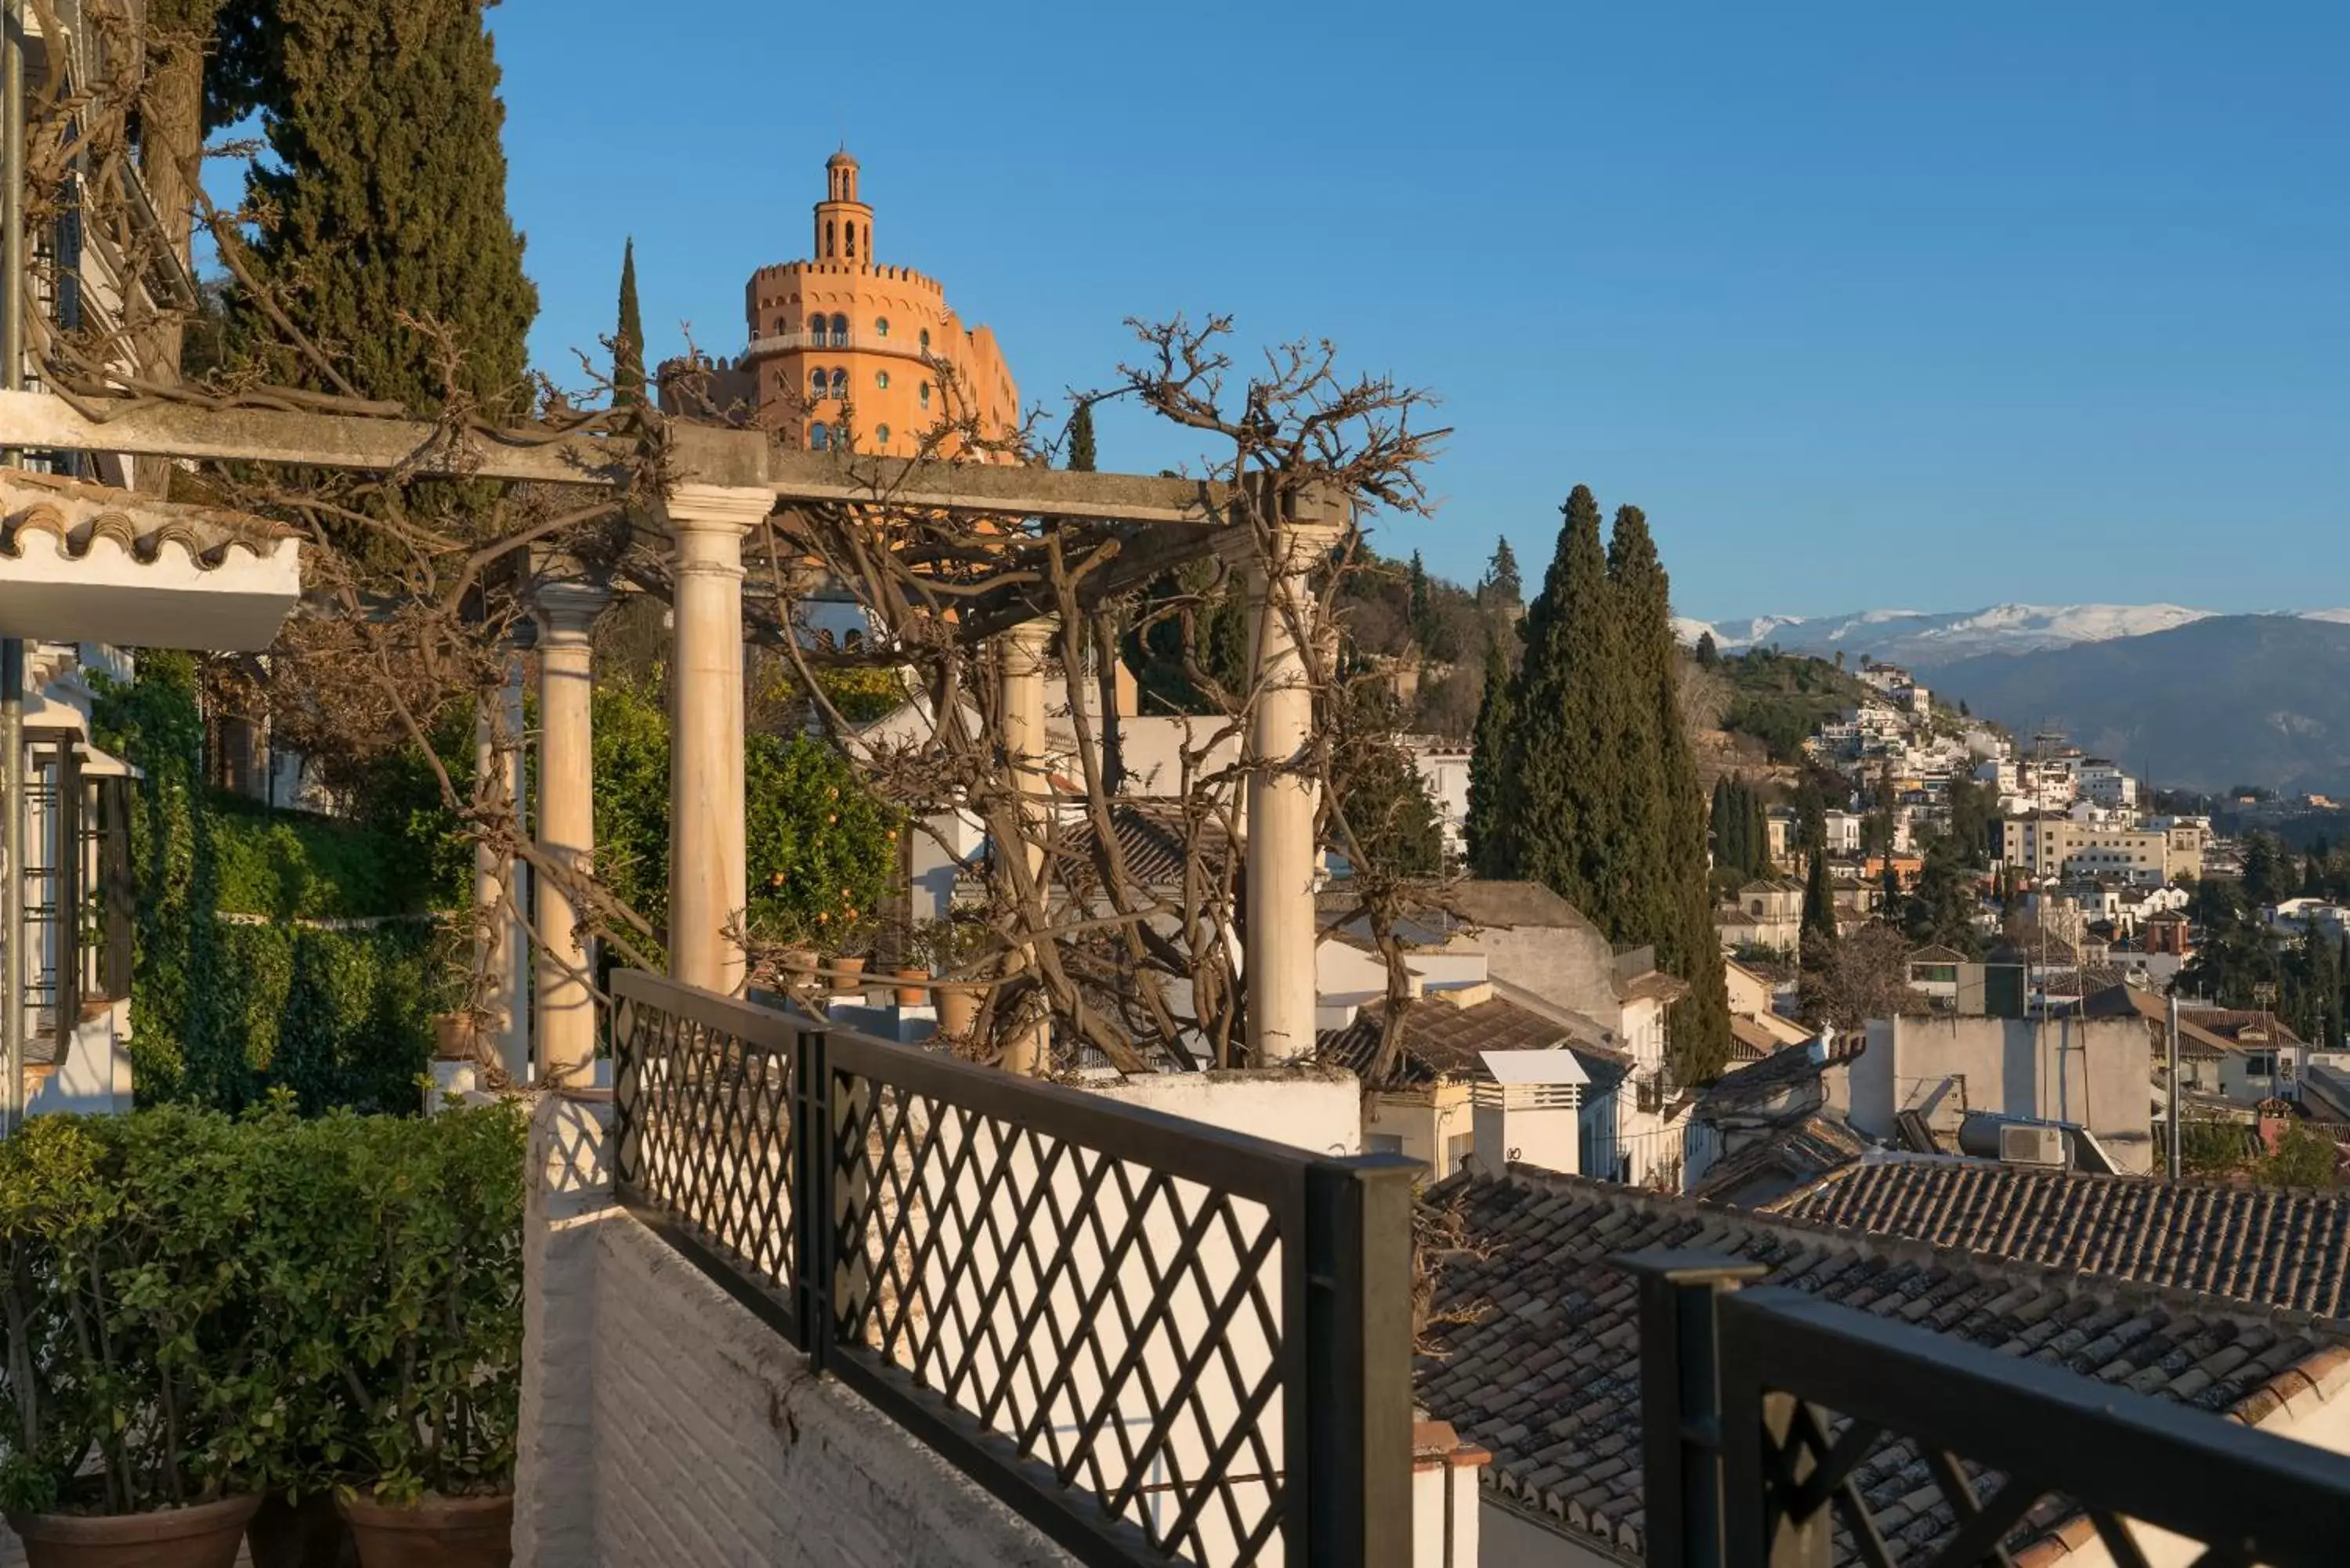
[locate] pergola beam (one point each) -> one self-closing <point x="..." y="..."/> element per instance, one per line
<point x="703" y="453"/>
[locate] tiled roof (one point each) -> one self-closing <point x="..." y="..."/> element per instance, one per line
<point x="2195" y="1042"/>
<point x="1510" y="904"/>
<point x="2260" y="1245"/>
<point x="78" y="516"/>
<point x="1749" y="1040"/>
<point x="1544" y="1372"/>
<point x="1151" y="836"/>
<point x="1783" y="1162"/>
<point x="1441" y="1041"/>
<point x="1656" y="983"/>
<point x="1782" y="1070"/>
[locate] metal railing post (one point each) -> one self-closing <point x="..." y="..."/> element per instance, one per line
<point x="1358" y="1364"/>
<point x="1680" y="1400"/>
<point x="846" y="1187"/>
<point x="1760" y="1530"/>
<point x="811" y="1202"/>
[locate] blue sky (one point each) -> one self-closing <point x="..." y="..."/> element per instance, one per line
<point x="1863" y="303"/>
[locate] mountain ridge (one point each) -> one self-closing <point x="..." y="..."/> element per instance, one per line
<point x="1910" y="636"/>
<point x="2217" y="702"/>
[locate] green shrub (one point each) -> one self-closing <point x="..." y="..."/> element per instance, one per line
<point x="202" y="1305"/>
<point x="817" y="843"/>
<point x="127" y="1318"/>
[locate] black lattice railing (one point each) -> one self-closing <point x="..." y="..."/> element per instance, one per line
<point x="1782" y="1431"/>
<point x="1160" y="1342"/>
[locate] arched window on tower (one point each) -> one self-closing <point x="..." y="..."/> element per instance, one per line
<point x="851" y="237"/>
<point x="840" y="332"/>
<point x="840" y="383"/>
<point x="881" y="326"/>
<point x="816" y="384"/>
<point x="819" y="437"/>
<point x="881" y="433"/>
<point x="926" y="394"/>
<point x="881" y="380"/>
<point x="926" y="339"/>
<point x="828" y="237"/>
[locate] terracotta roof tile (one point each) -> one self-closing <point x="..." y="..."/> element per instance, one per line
<point x="1543" y="1367"/>
<point x="2255" y="1245"/>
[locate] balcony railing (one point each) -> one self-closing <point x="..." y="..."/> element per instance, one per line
<point x="1158" y="1342"/>
<point x="1770" y="1421"/>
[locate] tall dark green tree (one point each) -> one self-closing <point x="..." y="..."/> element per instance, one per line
<point x="1422" y="608"/>
<point x="1819" y="929"/>
<point x="1669" y="898"/>
<point x="1709" y="654"/>
<point x="629" y="337"/>
<point x="1489" y="745"/>
<point x="1081" y="440"/>
<point x="1560" y="801"/>
<point x="387" y="190"/>
<point x="1501" y="586"/>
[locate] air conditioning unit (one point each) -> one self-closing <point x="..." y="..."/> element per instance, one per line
<point x="2032" y="1146"/>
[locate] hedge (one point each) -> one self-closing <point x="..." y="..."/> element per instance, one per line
<point x="223" y="1010"/>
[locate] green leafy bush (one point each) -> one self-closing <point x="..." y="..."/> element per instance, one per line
<point x="820" y="847"/>
<point x="129" y="1335"/>
<point x="192" y="1306"/>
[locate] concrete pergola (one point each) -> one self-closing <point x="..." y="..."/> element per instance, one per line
<point x="727" y="482"/>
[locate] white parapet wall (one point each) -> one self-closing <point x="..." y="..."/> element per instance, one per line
<point x="1318" y="1109"/>
<point x="662" y="1422"/>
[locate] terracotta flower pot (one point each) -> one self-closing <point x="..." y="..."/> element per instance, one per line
<point x="453" y="1036"/>
<point x="204" y="1536"/>
<point x="958" y="1009"/>
<point x="307" y="1534"/>
<point x="434" y="1532"/>
<point x="913" y="985"/>
<point x="848" y="974"/>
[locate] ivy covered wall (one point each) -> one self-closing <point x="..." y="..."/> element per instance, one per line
<point x="242" y="978"/>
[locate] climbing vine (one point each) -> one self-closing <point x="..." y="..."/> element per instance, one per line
<point x="243" y="977"/>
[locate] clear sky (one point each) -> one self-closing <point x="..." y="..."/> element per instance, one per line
<point x="1865" y="304"/>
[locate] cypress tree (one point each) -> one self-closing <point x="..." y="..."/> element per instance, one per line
<point x="1501" y="585"/>
<point x="388" y="192"/>
<point x="1421" y="609"/>
<point x="1562" y="783"/>
<point x="1758" y="829"/>
<point x="1490" y="743"/>
<point x="1819" y="930"/>
<point x="1081" y="440"/>
<point x="628" y="340"/>
<point x="1668" y="899"/>
<point x="1725" y="843"/>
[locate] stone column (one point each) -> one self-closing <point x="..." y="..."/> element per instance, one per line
<point x="1277" y="965"/>
<point x="1021" y="657"/>
<point x="566" y="1011"/>
<point x="500" y="944"/>
<point x="707" y="883"/>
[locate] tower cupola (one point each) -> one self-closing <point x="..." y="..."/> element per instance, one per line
<point x="844" y="225"/>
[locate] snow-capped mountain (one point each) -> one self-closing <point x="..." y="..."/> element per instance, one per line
<point x="1927" y="638"/>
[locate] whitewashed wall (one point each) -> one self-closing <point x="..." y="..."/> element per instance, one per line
<point x="663" y="1423"/>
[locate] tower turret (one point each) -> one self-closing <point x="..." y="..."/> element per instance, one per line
<point x="844" y="225"/>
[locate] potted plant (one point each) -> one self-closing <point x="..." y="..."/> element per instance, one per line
<point x="433" y="1345"/>
<point x="910" y="967"/>
<point x="135" y="1422"/>
<point x="842" y="939"/>
<point x="950" y="945"/>
<point x="315" y="1268"/>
